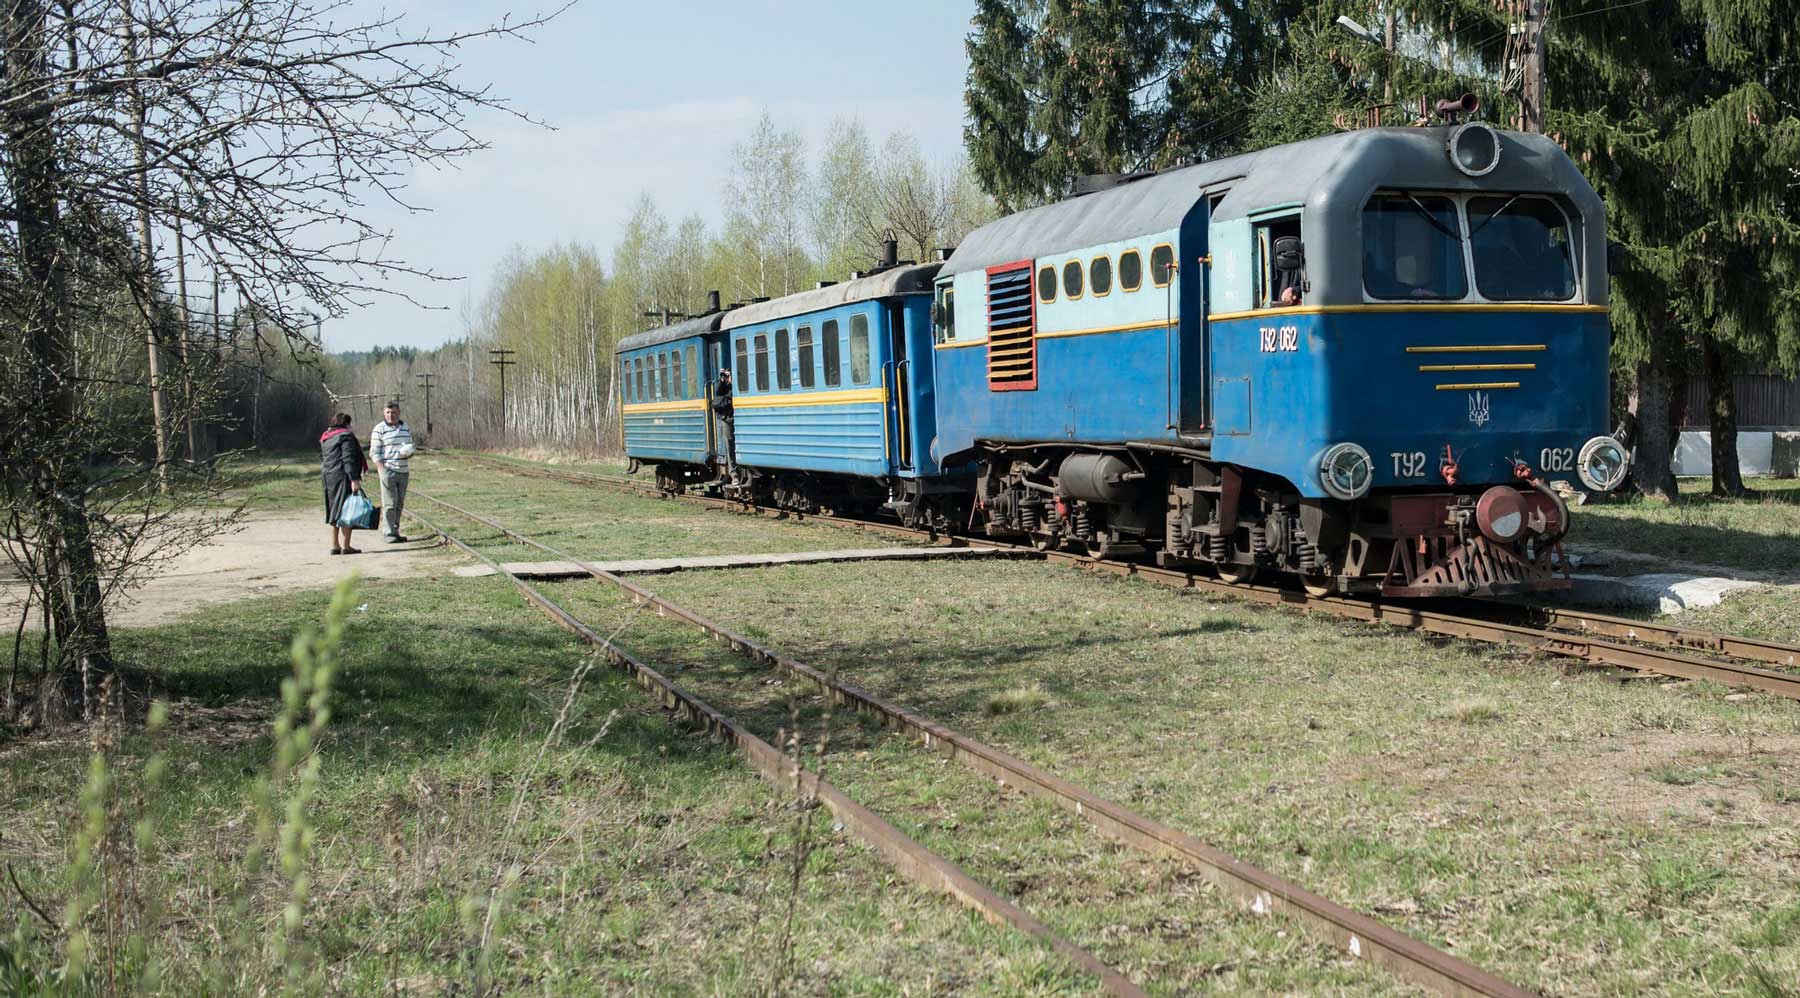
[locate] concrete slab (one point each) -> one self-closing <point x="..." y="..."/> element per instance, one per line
<point x="645" y="566"/>
<point x="1663" y="592"/>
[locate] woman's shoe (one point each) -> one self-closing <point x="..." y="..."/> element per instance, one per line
<point x="353" y="551"/>
<point x="337" y="550"/>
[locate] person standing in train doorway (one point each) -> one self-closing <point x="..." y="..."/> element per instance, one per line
<point x="721" y="407"/>
<point x="390" y="445"/>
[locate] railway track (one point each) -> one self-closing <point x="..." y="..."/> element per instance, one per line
<point x="1264" y="893"/>
<point x="1592" y="638"/>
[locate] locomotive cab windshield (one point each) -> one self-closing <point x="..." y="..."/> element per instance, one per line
<point x="1423" y="247"/>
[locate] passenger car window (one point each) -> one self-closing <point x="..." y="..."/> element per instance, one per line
<point x="693" y="383"/>
<point x="1162" y="265"/>
<point x="637" y="364"/>
<point x="1412" y="248"/>
<point x="833" y="376"/>
<point x="743" y="366"/>
<point x="859" y="349"/>
<point x="662" y="376"/>
<point x="1131" y="270"/>
<point x="1072" y="279"/>
<point x="675" y="375"/>
<point x="762" y="362"/>
<point x="1521" y="248"/>
<point x="784" y="373"/>
<point x="1100" y="276"/>
<point x="1047" y="285"/>
<point x="804" y="335"/>
<point x="625" y="379"/>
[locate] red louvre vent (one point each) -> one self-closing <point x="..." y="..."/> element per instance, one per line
<point x="1011" y="328"/>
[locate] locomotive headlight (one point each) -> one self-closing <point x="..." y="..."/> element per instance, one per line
<point x="1346" y="471"/>
<point x="1474" y="147"/>
<point x="1602" y="464"/>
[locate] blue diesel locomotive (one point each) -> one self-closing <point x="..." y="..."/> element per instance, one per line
<point x="1358" y="359"/>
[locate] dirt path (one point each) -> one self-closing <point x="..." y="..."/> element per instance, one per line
<point x="269" y="553"/>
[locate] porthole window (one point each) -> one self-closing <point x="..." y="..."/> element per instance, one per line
<point x="1047" y="285"/>
<point x="1100" y="275"/>
<point x="1131" y="270"/>
<point x="1072" y="279"/>
<point x="1162" y="265"/>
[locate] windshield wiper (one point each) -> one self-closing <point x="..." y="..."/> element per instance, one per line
<point x="1433" y="219"/>
<point x="1497" y="213"/>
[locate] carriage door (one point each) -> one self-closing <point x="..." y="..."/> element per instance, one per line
<point x="900" y="371"/>
<point x="714" y="435"/>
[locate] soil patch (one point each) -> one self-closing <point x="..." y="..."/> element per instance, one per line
<point x="268" y="553"/>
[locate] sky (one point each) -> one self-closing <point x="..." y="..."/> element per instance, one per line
<point x="644" y="97"/>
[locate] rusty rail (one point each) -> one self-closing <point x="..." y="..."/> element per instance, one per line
<point x="905" y="855"/>
<point x="1264" y="893"/>
<point x="1553" y="637"/>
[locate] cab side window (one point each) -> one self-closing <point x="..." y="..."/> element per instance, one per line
<point x="1280" y="263"/>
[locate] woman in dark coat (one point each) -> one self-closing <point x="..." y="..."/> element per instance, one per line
<point x="341" y="466"/>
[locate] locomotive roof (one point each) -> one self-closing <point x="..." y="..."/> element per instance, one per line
<point x="892" y="281"/>
<point x="1344" y="167"/>
<point x="699" y="326"/>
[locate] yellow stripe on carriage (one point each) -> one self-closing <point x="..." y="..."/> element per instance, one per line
<point x="1477" y="367"/>
<point x="678" y="405"/>
<point x="1484" y="348"/>
<point x="1475" y="385"/>
<point x="847" y="397"/>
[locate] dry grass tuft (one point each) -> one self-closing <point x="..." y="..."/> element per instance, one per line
<point x="1018" y="700"/>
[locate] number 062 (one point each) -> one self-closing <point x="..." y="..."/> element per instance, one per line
<point x="1557" y="459"/>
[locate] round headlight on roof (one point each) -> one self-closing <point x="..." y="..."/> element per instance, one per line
<point x="1602" y="464"/>
<point x="1474" y="147"/>
<point x="1346" y="471"/>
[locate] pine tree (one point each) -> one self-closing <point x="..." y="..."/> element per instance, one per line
<point x="1002" y="144"/>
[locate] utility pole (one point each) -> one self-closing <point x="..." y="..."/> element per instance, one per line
<point x="1387" y="90"/>
<point x="425" y="379"/>
<point x="503" y="360"/>
<point x="1531" y="81"/>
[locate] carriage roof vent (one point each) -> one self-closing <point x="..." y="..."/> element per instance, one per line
<point x="825" y="284"/>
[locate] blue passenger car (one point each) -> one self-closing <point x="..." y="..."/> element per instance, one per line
<point x="834" y="408"/>
<point x="664" y="381"/>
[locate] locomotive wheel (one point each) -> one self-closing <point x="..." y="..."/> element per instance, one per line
<point x="1045" y="542"/>
<point x="1235" y="573"/>
<point x="1100" y="549"/>
<point x="1318" y="586"/>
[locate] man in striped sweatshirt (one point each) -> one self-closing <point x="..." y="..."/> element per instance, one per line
<point x="390" y="444"/>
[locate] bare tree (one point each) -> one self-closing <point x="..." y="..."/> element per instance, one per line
<point x="261" y="126"/>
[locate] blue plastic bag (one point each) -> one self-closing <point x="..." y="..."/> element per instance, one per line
<point x="358" y="512"/>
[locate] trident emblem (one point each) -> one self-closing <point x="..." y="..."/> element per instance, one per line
<point x="1479" y="410"/>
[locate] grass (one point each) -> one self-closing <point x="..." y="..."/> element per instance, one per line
<point x="1753" y="535"/>
<point x="1477" y="798"/>
<point x="1575" y="835"/>
<point x="647" y="858"/>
